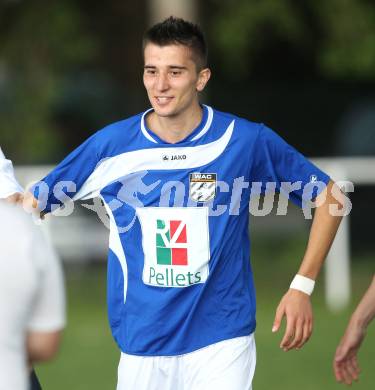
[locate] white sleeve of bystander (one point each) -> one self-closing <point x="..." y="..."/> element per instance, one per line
<point x="8" y="183"/>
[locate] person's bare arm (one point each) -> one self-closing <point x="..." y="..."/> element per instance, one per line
<point x="345" y="363"/>
<point x="42" y="346"/>
<point x="295" y="305"/>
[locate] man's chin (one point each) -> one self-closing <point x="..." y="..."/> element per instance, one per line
<point x="164" y="112"/>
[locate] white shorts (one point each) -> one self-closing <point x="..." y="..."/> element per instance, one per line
<point x="226" y="365"/>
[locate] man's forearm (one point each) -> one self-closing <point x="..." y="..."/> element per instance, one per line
<point x="365" y="311"/>
<point x="322" y="233"/>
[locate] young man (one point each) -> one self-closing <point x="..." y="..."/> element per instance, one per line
<point x="176" y="183"/>
<point x="345" y="363"/>
<point x="32" y="304"/>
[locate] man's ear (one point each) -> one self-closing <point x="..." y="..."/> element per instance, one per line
<point x="203" y="77"/>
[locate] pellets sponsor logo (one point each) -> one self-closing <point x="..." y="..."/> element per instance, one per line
<point x="175" y="243"/>
<point x="171" y="243"/>
<point x="172" y="250"/>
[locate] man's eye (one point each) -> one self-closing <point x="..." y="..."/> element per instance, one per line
<point x="176" y="72"/>
<point x="150" y="71"/>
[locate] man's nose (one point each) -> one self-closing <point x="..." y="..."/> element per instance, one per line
<point x="162" y="82"/>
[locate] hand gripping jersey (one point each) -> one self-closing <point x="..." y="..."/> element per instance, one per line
<point x="179" y="275"/>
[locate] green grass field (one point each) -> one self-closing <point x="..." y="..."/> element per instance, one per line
<point x="88" y="358"/>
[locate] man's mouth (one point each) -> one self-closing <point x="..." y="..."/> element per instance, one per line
<point x="163" y="100"/>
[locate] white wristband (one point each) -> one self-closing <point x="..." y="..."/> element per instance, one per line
<point x="303" y="284"/>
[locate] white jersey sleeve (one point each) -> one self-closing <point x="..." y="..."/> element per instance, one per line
<point x="48" y="313"/>
<point x="8" y="183"/>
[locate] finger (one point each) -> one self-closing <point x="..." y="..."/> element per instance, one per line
<point x="355" y="363"/>
<point x="341" y="362"/>
<point x="338" y="373"/>
<point x="298" y="334"/>
<point x="351" y="370"/>
<point x="346" y="374"/>
<point x="288" y="335"/>
<point x="354" y="369"/>
<point x="306" y="335"/>
<point x="278" y="318"/>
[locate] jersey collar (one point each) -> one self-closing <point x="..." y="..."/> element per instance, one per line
<point x="197" y="133"/>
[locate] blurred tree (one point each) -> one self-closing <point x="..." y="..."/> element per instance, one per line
<point x="298" y="66"/>
<point x="348" y="49"/>
<point x="337" y="35"/>
<point x="39" y="42"/>
<point x="67" y="68"/>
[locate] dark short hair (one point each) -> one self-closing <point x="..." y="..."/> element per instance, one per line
<point x="181" y="32"/>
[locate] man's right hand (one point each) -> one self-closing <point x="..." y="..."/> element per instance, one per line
<point x="345" y="363"/>
<point x="296" y="307"/>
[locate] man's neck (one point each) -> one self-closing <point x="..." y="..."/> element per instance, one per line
<point x="176" y="128"/>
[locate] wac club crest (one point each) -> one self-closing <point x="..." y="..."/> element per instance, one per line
<point x="202" y="186"/>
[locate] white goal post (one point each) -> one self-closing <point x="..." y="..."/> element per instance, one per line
<point x="359" y="171"/>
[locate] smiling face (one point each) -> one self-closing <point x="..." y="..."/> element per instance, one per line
<point x="171" y="79"/>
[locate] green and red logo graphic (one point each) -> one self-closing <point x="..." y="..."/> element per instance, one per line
<point x="171" y="242"/>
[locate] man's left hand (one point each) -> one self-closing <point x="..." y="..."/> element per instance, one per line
<point x="296" y="307"/>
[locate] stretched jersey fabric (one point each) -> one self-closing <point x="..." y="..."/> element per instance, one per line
<point x="179" y="275"/>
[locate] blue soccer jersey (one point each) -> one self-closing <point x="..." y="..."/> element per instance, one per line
<point x="179" y="275"/>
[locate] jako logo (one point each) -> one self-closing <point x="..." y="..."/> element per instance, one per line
<point x="171" y="243"/>
<point x="179" y="157"/>
<point x="174" y="157"/>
